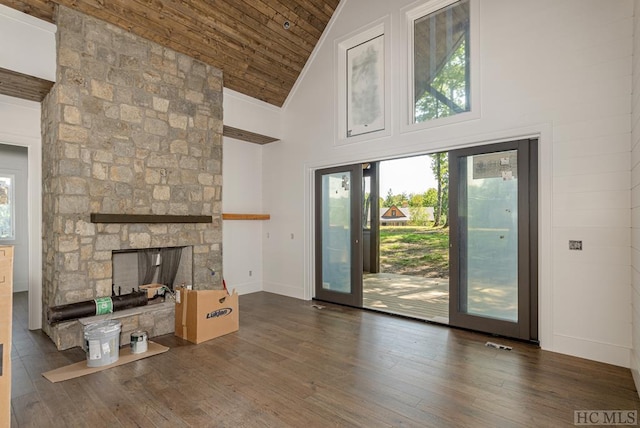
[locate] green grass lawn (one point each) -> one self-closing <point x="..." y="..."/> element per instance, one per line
<point x="414" y="250"/>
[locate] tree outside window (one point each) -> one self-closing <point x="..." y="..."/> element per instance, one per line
<point x="441" y="72"/>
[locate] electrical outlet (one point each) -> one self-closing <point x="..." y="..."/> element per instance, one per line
<point x="575" y="245"/>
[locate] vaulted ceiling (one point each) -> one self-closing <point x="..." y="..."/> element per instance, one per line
<point x="260" y="45"/>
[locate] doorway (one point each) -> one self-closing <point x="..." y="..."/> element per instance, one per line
<point x="14" y="227"/>
<point x="411" y="276"/>
<point x="471" y="286"/>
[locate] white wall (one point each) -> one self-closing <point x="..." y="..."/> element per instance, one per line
<point x="250" y="114"/>
<point x="559" y="70"/>
<point x="13" y="160"/>
<point x="27" y="44"/>
<point x="635" y="199"/>
<point x="242" y="190"/>
<point x="242" y="194"/>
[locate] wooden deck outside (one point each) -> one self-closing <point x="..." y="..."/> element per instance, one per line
<point x="413" y="296"/>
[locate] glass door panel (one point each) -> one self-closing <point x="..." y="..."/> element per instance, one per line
<point x="493" y="283"/>
<point x="338" y="235"/>
<point x="489" y="242"/>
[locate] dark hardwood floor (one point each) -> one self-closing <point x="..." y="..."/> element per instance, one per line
<point x="292" y="365"/>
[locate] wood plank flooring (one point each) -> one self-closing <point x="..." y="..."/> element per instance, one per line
<point x="291" y="365"/>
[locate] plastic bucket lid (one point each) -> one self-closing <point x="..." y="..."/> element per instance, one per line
<point x="101" y="329"/>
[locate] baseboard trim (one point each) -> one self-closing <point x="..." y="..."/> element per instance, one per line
<point x="598" y="351"/>
<point x="284" y="290"/>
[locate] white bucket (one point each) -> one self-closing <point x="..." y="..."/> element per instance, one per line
<point x="102" y="343"/>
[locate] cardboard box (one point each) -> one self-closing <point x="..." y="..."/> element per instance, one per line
<point x="6" y="305"/>
<point x="205" y="314"/>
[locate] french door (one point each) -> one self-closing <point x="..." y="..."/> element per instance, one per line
<point x="338" y="235"/>
<point x="493" y="239"/>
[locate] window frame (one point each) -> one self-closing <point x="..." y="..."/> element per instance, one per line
<point x="342" y="46"/>
<point x="411" y="14"/>
<point x="12" y="205"/>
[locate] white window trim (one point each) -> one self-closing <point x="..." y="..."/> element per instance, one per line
<point x="411" y="13"/>
<point x="373" y="30"/>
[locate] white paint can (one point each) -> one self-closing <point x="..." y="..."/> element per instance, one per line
<point x="138" y="342"/>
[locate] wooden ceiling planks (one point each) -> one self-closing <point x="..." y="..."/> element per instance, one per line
<point x="42" y="9"/>
<point x="245" y="39"/>
<point x="20" y="85"/>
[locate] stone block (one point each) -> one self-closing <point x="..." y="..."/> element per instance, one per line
<point x="84" y="228"/>
<point x="156" y="127"/>
<point x="68" y="94"/>
<point x="188" y="162"/>
<point x="178" y="121"/>
<point x="139" y="240"/>
<point x="164" y="322"/>
<point x="77" y="281"/>
<point x="112" y="111"/>
<point x="73" y="204"/>
<point x="106" y="55"/>
<point x="179" y="147"/>
<point x="160" y="104"/>
<point x="72" y="115"/>
<point x="103" y="287"/>
<point x="73" y="133"/>
<point x="102" y="255"/>
<point x="176" y="208"/>
<point x="71" y="151"/>
<point x="71" y="262"/>
<point x="129" y="62"/>
<point x="158" y="229"/>
<point x="130" y="113"/>
<point x="69" y="58"/>
<point x="161" y="193"/>
<point x="75" y="186"/>
<point x="159" y="160"/>
<point x="121" y="174"/>
<point x="67" y="335"/>
<point x="107" y="242"/>
<point x="99" y="270"/>
<point x="102" y="90"/>
<point x="194" y="96"/>
<point x="205" y="179"/>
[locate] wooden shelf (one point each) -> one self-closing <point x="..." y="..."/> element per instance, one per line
<point x="250" y="137"/>
<point x="226" y="216"/>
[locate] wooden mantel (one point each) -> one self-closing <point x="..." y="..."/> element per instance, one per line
<point x="149" y="218"/>
<point x="227" y="216"/>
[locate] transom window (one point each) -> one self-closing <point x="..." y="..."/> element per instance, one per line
<point x="441" y="66"/>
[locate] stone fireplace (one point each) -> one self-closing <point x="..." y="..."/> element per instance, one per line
<point x="132" y="128"/>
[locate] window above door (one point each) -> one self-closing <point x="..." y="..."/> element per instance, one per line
<point x="442" y="63"/>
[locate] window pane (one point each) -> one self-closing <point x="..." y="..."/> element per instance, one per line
<point x="441" y="63"/>
<point x="336" y="232"/>
<point x="7" y="221"/>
